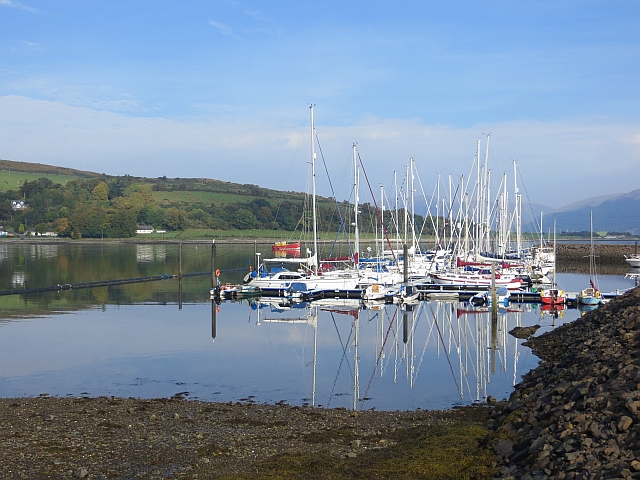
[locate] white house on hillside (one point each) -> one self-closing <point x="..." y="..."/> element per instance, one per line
<point x="142" y="229"/>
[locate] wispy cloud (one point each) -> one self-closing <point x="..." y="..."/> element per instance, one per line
<point x="220" y="26"/>
<point x="256" y="14"/>
<point x="33" y="45"/>
<point x="11" y="3"/>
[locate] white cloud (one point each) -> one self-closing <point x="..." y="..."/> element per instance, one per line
<point x="33" y="45"/>
<point x="11" y="3"/>
<point x="223" y="28"/>
<point x="560" y="162"/>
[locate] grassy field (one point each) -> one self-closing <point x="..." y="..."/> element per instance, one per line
<point x="255" y="234"/>
<point x="210" y="234"/>
<point x="207" y="234"/>
<point x="206" y="198"/>
<point x="177" y="197"/>
<point x="11" y="180"/>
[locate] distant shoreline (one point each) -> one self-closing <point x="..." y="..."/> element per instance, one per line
<point x="262" y="240"/>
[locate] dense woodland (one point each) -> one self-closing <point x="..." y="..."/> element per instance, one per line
<point x="104" y="206"/>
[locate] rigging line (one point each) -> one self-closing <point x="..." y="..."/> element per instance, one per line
<point x="295" y="154"/>
<point x="428" y="214"/>
<point x="524" y="186"/>
<point x="342" y="224"/>
<point x="384" y="228"/>
<point x="344" y="355"/>
<point x="444" y="226"/>
<point x="445" y="348"/>
<point x="366" y="393"/>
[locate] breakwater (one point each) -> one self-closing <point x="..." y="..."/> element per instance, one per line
<point x="577" y="416"/>
<point x="574" y="257"/>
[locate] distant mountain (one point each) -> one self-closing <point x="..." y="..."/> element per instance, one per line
<point x="611" y="213"/>
<point x="531" y="216"/>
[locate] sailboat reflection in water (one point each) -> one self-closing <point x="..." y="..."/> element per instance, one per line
<point x="429" y="355"/>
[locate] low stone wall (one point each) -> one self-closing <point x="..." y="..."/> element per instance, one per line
<point x="577" y="416"/>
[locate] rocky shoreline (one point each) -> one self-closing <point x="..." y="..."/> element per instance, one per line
<point x="577" y="416"/>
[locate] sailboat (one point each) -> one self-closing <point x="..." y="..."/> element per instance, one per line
<point x="553" y="296"/>
<point x="309" y="277"/>
<point x="591" y="295"/>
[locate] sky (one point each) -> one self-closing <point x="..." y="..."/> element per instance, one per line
<point x="221" y="89"/>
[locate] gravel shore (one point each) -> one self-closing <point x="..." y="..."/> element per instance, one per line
<point x="99" y="438"/>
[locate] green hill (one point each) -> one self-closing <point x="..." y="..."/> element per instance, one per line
<point x="83" y="204"/>
<point x="14" y="174"/>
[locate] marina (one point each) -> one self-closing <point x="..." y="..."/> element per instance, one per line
<point x="162" y="338"/>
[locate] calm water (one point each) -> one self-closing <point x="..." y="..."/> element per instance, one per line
<point x="162" y="338"/>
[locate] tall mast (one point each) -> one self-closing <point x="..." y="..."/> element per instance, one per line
<point x="466" y="224"/>
<point x="413" y="210"/>
<point x="438" y="213"/>
<point x="554" y="253"/>
<point x="395" y="189"/>
<point x="487" y="217"/>
<point x="381" y="220"/>
<point x="356" y="255"/>
<point x="518" y="207"/>
<point x="477" y="218"/>
<point x="313" y="190"/>
<point x="450" y="213"/>
<point x="406" y="204"/>
<point x="592" y="252"/>
<point x="503" y="216"/>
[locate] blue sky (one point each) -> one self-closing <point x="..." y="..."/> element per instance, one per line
<point x="221" y="89"/>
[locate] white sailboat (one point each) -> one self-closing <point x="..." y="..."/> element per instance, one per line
<point x="307" y="277"/>
<point x="591" y="295"/>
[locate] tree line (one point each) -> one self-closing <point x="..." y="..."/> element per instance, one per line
<point x="113" y="207"/>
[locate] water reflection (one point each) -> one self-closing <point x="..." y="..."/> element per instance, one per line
<point x="151" y="253"/>
<point x="37" y="251"/>
<point x="155" y="339"/>
<point x="431" y="355"/>
<point x="18" y="279"/>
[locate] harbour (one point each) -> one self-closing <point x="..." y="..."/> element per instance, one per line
<point x="158" y="339"/>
